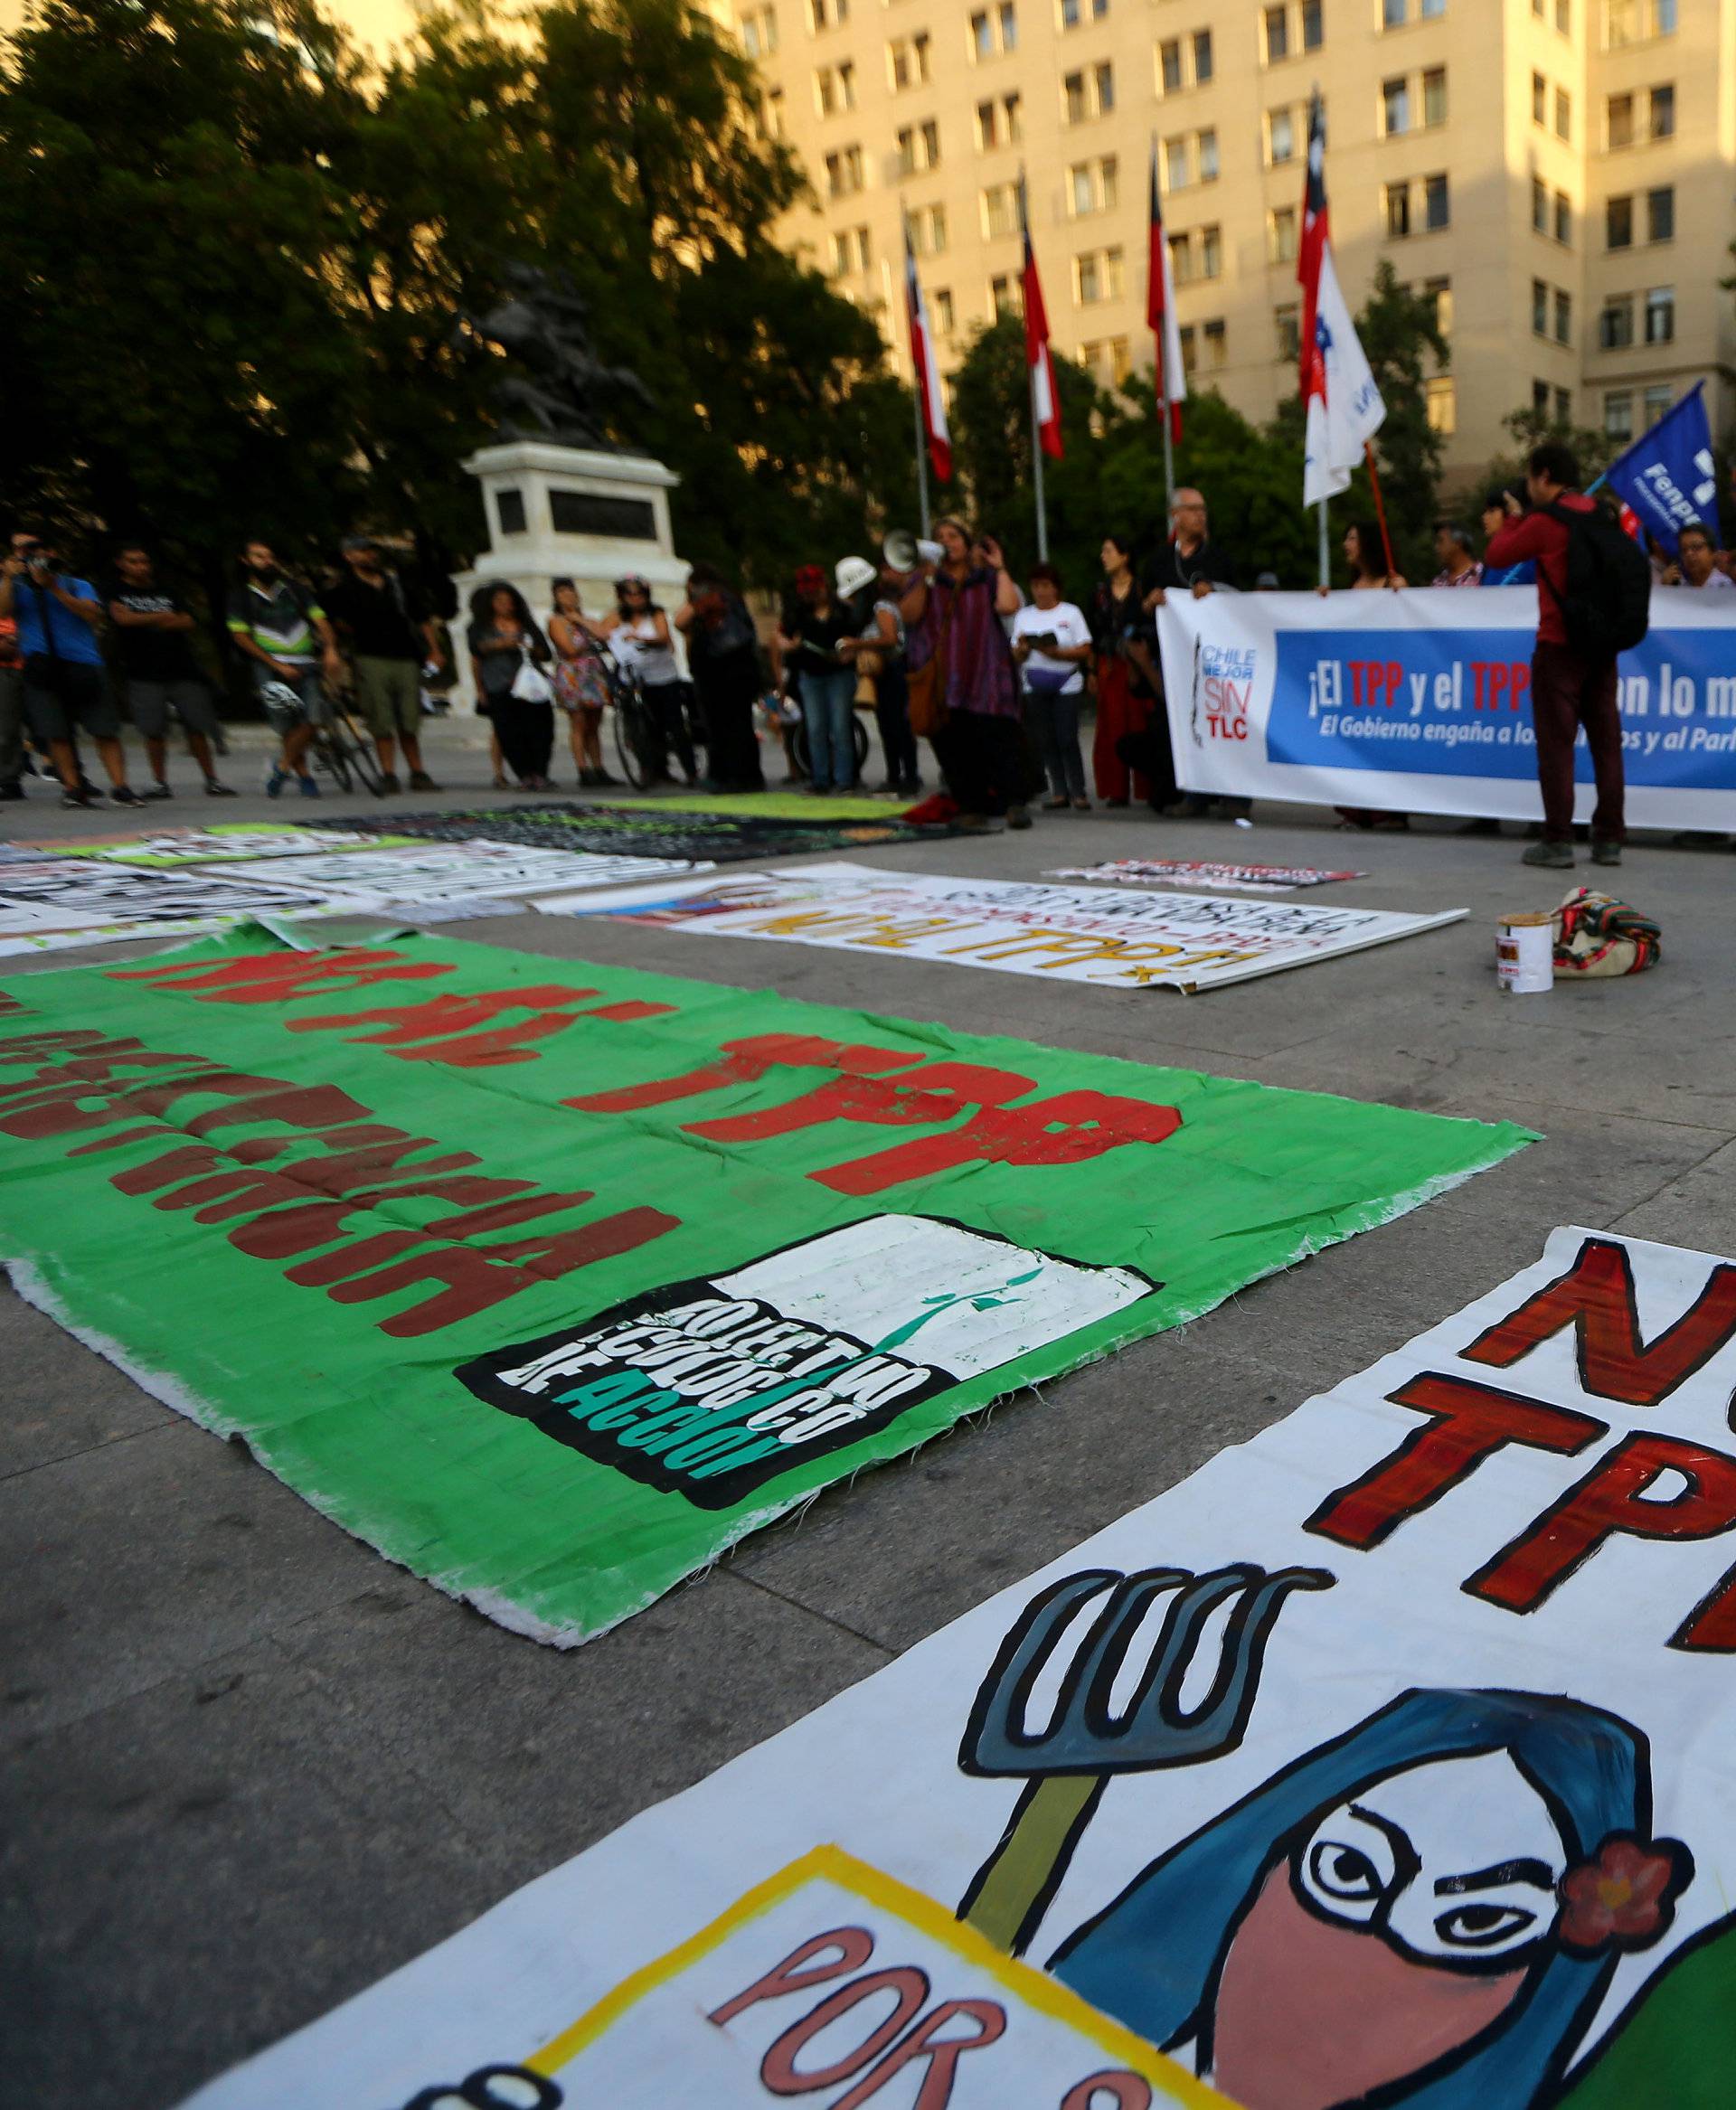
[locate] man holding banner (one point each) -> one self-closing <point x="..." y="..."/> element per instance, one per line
<point x="1572" y="671"/>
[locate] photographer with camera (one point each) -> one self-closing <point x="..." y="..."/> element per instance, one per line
<point x="1593" y="594"/>
<point x="58" y="616"/>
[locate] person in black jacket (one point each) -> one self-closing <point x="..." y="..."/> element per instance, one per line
<point x="723" y="655"/>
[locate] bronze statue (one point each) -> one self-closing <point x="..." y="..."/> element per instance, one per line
<point x="566" y="395"/>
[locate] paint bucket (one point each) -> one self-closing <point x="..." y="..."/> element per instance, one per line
<point x="1525" y="954"/>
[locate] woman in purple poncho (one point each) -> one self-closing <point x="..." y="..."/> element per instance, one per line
<point x="956" y="611"/>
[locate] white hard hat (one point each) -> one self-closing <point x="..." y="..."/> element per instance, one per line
<point x="853" y="574"/>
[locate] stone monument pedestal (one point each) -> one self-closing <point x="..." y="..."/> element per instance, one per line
<point x="579" y="513"/>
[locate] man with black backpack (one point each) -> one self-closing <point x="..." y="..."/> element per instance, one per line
<point x="1593" y="596"/>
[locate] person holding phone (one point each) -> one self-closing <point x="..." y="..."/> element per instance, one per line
<point x="1052" y="641"/>
<point x="955" y="613"/>
<point x="58" y="616"/>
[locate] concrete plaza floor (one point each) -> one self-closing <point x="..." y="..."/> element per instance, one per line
<point x="249" y="1766"/>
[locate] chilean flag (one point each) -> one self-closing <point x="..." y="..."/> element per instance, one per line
<point x="1170" y="377"/>
<point x="928" y="375"/>
<point x="1340" y="400"/>
<point x="1044" y="397"/>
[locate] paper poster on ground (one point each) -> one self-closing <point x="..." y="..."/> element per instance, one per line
<point x="1189" y="942"/>
<point x="722" y="831"/>
<point x="1382" y="1762"/>
<point x="1219" y="878"/>
<point x="224" y="841"/>
<point x="560" y="1278"/>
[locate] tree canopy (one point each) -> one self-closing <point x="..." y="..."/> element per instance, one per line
<point x="235" y="249"/>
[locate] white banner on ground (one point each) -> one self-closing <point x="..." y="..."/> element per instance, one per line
<point x="224" y="841"/>
<point x="1071" y="934"/>
<point x="1386" y="1759"/>
<point x="1200" y="872"/>
<point x="1420" y="701"/>
<point x="438" y="879"/>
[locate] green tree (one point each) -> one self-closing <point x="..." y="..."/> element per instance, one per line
<point x="1401" y="333"/>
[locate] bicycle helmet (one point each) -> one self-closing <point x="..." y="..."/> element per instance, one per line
<point x="278" y="695"/>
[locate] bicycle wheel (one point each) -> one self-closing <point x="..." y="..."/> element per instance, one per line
<point x="633" y="742"/>
<point x="328" y="756"/>
<point x="358" y="754"/>
<point x="859" y="741"/>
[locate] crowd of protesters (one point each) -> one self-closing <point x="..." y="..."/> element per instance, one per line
<point x="993" y="672"/>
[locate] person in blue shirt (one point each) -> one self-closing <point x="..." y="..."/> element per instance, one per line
<point x="58" y="616"/>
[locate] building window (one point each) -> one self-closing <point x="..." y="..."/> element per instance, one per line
<point x="1398" y="211"/>
<point x="1004" y="294"/>
<point x="1660" y="315"/>
<point x="918" y="147"/>
<point x="1288" y="324"/>
<point x="982" y="36"/>
<point x="928" y="226"/>
<point x="1278" y="34"/>
<point x="1657" y="402"/>
<point x="840" y="254"/>
<point x="1097" y="275"/>
<point x="1564" y="16"/>
<point x="1618" y="416"/>
<point x="1007" y="15"/>
<point x="1103" y="84"/>
<point x="1635" y="21"/>
<point x="1538" y="309"/>
<point x="1434" y="96"/>
<point x="994" y="29"/>
<point x="1000" y="124"/>
<point x="829" y="13"/>
<point x="1564" y="114"/>
<point x="1395" y="106"/>
<point x="940" y="303"/>
<point x="1441" y="404"/>
<point x="1190" y="351"/>
<point x="1211" y="252"/>
<point x="1431" y="10"/>
<point x="986" y="134"/>
<point x="844" y="172"/>
<point x="1437" y="204"/>
<point x="1091" y="185"/>
<point x="1563" y="218"/>
<point x="836" y="88"/>
<point x="908" y="58"/>
<point x="1180" y="259"/>
<point x="1107" y="359"/>
<point x="1662" y="113"/>
<point x="1393" y="13"/>
<point x="1075" y="11"/>
<point x="1000" y="211"/>
<point x="1615" y="323"/>
<point x="1178" y="164"/>
<point x="771" y="114"/>
<point x="1539" y="389"/>
<point x="1209" y="155"/>
<point x="1216" y="343"/>
<point x="1281" y="136"/>
<point x="1314" y="26"/>
<point x="1660" y="214"/>
<point x="1563" y="408"/>
<point x="1540" y="206"/>
<point x="1564" y="318"/>
<point x="1618" y="121"/>
<point x="1440" y="292"/>
<point x="1201" y="57"/>
<point x="1169" y="66"/>
<point x="759" y="32"/>
<point x="1539" y="99"/>
<point x="1618" y="223"/>
<point x="1282" y="244"/>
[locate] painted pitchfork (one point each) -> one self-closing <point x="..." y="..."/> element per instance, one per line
<point x="1068" y="1763"/>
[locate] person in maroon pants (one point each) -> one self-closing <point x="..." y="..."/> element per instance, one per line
<point x="1568" y="689"/>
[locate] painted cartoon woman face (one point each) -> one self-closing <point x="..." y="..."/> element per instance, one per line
<point x="1401" y="1926"/>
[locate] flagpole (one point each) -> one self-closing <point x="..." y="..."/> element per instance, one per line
<point x="1031" y="383"/>
<point x="915" y="381"/>
<point x="1169" y="456"/>
<point x="922" y="462"/>
<point x="1036" y="466"/>
<point x="1325" y="561"/>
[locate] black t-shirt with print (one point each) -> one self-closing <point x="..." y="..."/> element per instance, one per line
<point x="147" y="653"/>
<point x="378" y="622"/>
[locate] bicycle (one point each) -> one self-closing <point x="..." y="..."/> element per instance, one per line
<point x="639" y="742"/>
<point x="345" y="753"/>
<point x="805" y="762"/>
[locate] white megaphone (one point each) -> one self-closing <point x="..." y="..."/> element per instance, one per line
<point x="903" y="551"/>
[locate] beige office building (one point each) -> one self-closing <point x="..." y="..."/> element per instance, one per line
<point x="1561" y="174"/>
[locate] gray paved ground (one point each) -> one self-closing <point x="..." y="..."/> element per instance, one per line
<point x="249" y="1766"/>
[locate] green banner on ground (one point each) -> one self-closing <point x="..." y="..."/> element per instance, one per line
<point x="551" y="1280"/>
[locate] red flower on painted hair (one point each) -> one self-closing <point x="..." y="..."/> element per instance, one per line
<point x="1624" y="1896"/>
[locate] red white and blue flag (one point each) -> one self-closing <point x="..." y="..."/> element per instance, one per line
<point x="927" y="370"/>
<point x="1340" y="400"/>
<point x="1046" y="399"/>
<point x="1168" y="375"/>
